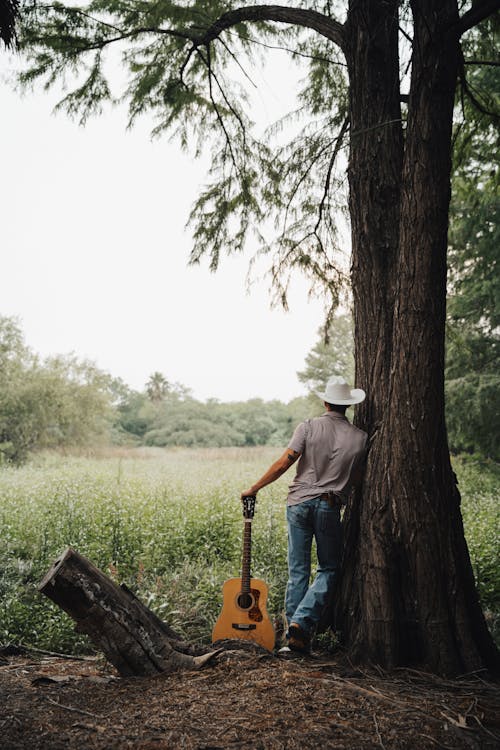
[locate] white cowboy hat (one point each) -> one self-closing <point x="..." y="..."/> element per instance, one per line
<point x="338" y="392"/>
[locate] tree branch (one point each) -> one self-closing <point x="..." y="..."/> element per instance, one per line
<point x="293" y="52"/>
<point x="475" y="101"/>
<point x="467" y="89"/>
<point x="208" y="62"/>
<point x="310" y="19"/>
<point x="480" y="10"/>
<point x="240" y="66"/>
<point x="324" y="25"/>
<point x="492" y="63"/>
<point x="335" y="153"/>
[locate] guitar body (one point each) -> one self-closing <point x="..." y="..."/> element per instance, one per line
<point x="244" y="615"/>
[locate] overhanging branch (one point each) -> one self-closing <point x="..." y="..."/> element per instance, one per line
<point x="310" y="19"/>
<point x="480" y="10"/>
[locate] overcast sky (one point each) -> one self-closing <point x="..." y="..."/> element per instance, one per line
<point x="94" y="259"/>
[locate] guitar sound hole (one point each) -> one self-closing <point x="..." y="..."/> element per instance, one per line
<point x="245" y="601"/>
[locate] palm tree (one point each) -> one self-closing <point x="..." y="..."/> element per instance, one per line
<point x="9" y="11"/>
<point x="157" y="387"/>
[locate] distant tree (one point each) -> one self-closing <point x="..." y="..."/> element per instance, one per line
<point x="15" y="361"/>
<point x="302" y="408"/>
<point x="188" y="422"/>
<point x="332" y="354"/>
<point x="13" y="351"/>
<point x="78" y="402"/>
<point x="133" y="418"/>
<point x="157" y="387"/>
<point x="61" y="401"/>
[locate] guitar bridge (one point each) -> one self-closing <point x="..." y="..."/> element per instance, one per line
<point x="243" y="626"/>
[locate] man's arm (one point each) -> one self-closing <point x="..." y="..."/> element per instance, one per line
<point x="274" y="472"/>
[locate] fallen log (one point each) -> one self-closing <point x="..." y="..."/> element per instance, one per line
<point x="129" y="634"/>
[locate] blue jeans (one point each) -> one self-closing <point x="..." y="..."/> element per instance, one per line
<point x="311" y="518"/>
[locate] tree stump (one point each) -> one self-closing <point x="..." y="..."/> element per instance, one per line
<point x="129" y="634"/>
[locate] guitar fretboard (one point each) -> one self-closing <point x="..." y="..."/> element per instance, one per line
<point x="247" y="555"/>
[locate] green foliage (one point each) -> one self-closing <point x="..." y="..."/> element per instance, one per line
<point x="188" y="69"/>
<point x="192" y="423"/>
<point x="169" y="525"/>
<point x="59" y="402"/>
<point x="474" y="242"/>
<point x="191" y="75"/>
<point x="132" y="418"/>
<point x="159" y="389"/>
<point x="166" y="415"/>
<point x="332" y="354"/>
<point x="479" y="482"/>
<point x="473" y="413"/>
<point x="186" y="64"/>
<point x="9" y="11"/>
<point x="64" y="402"/>
<point x="473" y="331"/>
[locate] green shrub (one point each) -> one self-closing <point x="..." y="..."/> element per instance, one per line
<point x="479" y="481"/>
<point x="473" y="414"/>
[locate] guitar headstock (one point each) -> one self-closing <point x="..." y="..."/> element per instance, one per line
<point x="248" y="503"/>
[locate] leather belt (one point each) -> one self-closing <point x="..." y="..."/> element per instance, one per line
<point x="332" y="498"/>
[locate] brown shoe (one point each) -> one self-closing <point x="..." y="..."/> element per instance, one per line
<point x="298" y="640"/>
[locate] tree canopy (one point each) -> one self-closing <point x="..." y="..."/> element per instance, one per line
<point x="188" y="67"/>
<point x="9" y="10"/>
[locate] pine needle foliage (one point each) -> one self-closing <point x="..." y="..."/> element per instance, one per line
<point x="9" y="10"/>
<point x="187" y="66"/>
<point x="473" y="326"/>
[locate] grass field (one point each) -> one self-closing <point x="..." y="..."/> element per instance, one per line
<point x="168" y="523"/>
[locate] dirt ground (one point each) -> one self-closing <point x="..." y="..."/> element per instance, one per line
<point x="241" y="699"/>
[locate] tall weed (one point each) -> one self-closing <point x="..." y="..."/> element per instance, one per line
<point x="169" y="525"/>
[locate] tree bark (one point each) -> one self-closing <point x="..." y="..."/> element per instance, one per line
<point x="375" y="159"/>
<point x="407" y="595"/>
<point x="375" y="173"/>
<point x="132" y="637"/>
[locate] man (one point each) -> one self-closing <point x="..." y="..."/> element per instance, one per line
<point x="332" y="454"/>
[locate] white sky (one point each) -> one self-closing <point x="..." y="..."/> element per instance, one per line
<point x="94" y="259"/>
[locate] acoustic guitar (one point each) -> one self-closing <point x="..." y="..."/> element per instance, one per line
<point x="244" y="615"/>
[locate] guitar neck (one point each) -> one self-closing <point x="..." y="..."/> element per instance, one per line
<point x="247" y="556"/>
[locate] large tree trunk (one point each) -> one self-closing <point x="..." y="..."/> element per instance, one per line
<point x="130" y="635"/>
<point x="375" y="164"/>
<point x="407" y="594"/>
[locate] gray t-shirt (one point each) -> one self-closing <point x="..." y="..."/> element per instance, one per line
<point x="331" y="450"/>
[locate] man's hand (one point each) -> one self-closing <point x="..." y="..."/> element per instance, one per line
<point x="248" y="493"/>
